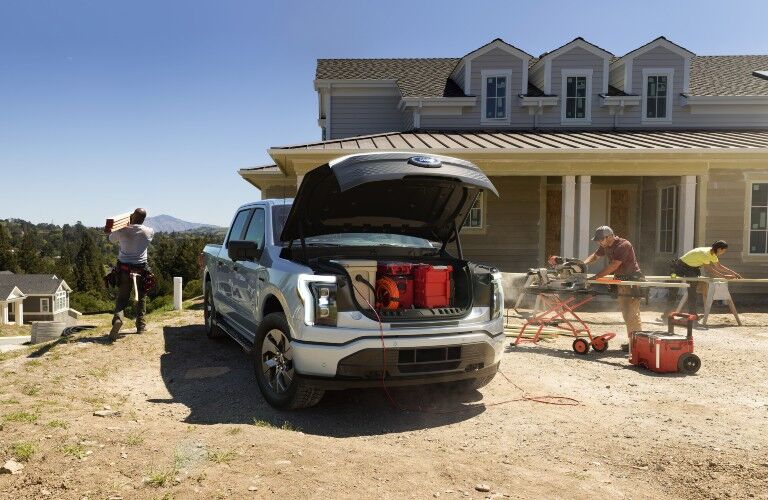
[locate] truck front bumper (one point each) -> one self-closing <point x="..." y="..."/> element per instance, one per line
<point x="403" y="360"/>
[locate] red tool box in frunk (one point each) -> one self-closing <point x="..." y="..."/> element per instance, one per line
<point x="433" y="286"/>
<point x="394" y="285"/>
<point x="665" y="352"/>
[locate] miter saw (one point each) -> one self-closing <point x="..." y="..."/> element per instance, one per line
<point x="563" y="274"/>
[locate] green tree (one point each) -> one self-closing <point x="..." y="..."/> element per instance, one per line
<point x="29" y="255"/>
<point x="88" y="268"/>
<point x="7" y="257"/>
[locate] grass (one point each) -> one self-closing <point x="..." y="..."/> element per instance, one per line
<point x="58" y="424"/>
<point x="159" y="478"/>
<point x="23" y="450"/>
<point x="99" y="373"/>
<point x="20" y="416"/>
<point x="9" y="401"/>
<point x="287" y="426"/>
<point x="221" y="456"/>
<point x="134" y="438"/>
<point x="233" y="431"/>
<point x="30" y="390"/>
<point x="75" y="450"/>
<point x="261" y="423"/>
<point x="33" y="364"/>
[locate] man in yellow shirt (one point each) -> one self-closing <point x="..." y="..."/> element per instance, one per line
<point x="691" y="264"/>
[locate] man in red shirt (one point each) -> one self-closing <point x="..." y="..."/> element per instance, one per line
<point x="622" y="263"/>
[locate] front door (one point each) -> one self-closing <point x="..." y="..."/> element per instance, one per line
<point x="612" y="207"/>
<point x="249" y="280"/>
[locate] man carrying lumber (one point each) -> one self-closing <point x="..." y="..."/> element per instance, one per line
<point x="134" y="240"/>
<point x="691" y="264"/>
<point x="622" y="263"/>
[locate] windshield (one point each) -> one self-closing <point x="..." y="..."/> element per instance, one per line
<point x="280" y="214"/>
<point x="369" y="240"/>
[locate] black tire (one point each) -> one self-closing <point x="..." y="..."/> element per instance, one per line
<point x="273" y="367"/>
<point x="209" y="314"/>
<point x="580" y="347"/>
<point x="688" y="363"/>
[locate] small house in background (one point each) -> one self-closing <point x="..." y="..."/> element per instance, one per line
<point x="25" y="298"/>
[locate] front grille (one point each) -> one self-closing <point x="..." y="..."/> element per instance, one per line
<point x="428" y="360"/>
<point x="368" y="363"/>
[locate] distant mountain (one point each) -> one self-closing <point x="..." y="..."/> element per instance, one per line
<point x="168" y="224"/>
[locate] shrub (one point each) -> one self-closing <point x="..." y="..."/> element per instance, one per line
<point x="90" y="302"/>
<point x="192" y="289"/>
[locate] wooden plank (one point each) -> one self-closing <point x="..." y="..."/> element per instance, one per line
<point x="117" y="222"/>
<point x="641" y="284"/>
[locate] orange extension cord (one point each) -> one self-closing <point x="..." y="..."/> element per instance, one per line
<point x="544" y="399"/>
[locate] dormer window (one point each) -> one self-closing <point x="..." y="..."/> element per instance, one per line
<point x="496" y="96"/>
<point x="657" y="95"/>
<point x="577" y="97"/>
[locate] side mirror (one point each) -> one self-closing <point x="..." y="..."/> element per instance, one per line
<point x="243" y="250"/>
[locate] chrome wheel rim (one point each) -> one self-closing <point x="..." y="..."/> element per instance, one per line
<point x="277" y="361"/>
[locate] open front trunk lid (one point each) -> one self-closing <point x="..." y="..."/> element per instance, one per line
<point x="425" y="196"/>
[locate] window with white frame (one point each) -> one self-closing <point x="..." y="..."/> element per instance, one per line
<point x="667" y="219"/>
<point x="576" y="96"/>
<point x="758" y="219"/>
<point x="45" y="305"/>
<point x="657" y="95"/>
<point x="475" y="217"/>
<point x="496" y="96"/>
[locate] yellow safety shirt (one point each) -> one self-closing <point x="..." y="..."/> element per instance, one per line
<point x="699" y="256"/>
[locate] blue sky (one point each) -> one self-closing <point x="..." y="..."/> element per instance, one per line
<point x="108" y="105"/>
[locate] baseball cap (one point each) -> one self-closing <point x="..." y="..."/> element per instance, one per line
<point x="601" y="232"/>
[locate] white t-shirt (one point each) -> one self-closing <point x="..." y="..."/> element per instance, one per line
<point x="134" y="241"/>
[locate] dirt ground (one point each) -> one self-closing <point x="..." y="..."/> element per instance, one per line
<point x="189" y="423"/>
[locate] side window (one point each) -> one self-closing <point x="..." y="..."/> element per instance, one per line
<point x="657" y="94"/>
<point x="475" y="218"/>
<point x="238" y="225"/>
<point x="758" y="220"/>
<point x="255" y="230"/>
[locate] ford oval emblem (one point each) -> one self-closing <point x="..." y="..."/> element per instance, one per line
<point x="425" y="161"/>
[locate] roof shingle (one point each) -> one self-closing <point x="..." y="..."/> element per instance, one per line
<point x="31" y="284"/>
<point x="728" y="75"/>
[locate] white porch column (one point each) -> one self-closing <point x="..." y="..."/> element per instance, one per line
<point x="687" y="217"/>
<point x="4" y="313"/>
<point x="568" y="218"/>
<point x="18" y="309"/>
<point x="582" y="240"/>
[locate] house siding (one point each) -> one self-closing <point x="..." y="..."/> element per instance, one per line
<point x="510" y="240"/>
<point x="362" y="115"/>
<point x="577" y="58"/>
<point x="726" y="212"/>
<point x="492" y="60"/>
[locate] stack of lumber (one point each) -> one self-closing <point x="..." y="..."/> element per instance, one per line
<point x="117" y="222"/>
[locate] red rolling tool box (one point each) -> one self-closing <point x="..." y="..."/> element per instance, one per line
<point x="394" y="285"/>
<point x="433" y="286"/>
<point x="665" y="352"/>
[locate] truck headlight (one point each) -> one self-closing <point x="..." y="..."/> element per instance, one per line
<point x="325" y="303"/>
<point x="497" y="296"/>
<point x="318" y="293"/>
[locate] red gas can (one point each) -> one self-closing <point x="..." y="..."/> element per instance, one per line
<point x="665" y="352"/>
<point x="433" y="286"/>
<point x="394" y="285"/>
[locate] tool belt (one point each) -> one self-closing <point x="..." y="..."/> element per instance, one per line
<point x="635" y="291"/>
<point x="148" y="280"/>
<point x="683" y="270"/>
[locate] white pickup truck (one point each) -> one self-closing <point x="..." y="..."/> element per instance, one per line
<point x="352" y="283"/>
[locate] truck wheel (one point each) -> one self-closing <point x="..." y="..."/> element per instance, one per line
<point x="209" y="314"/>
<point x="689" y="363"/>
<point x="273" y="364"/>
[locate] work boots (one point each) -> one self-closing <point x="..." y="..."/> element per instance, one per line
<point x="117" y="324"/>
